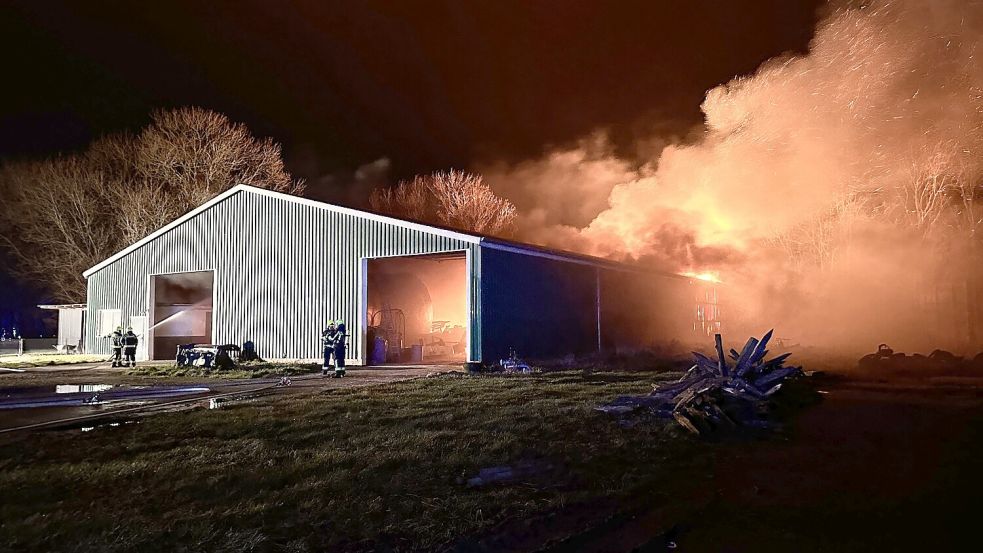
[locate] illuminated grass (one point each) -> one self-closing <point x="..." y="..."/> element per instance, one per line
<point x="45" y="359"/>
<point x="244" y="370"/>
<point x="351" y="469"/>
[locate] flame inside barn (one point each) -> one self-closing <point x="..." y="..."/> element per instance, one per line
<point x="272" y="269"/>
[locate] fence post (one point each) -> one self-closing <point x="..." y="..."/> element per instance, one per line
<point x="20" y="347"/>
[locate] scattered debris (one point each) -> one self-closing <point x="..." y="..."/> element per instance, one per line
<point x="284" y="382"/>
<point x="114" y="424"/>
<point x="714" y="395"/>
<point x="93" y="399"/>
<point x="513" y="364"/>
<point x="938" y="362"/>
<point x="208" y="356"/>
<point x="521" y="471"/>
<point x="435" y="374"/>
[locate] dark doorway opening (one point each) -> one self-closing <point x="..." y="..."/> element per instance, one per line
<point x="182" y="311"/>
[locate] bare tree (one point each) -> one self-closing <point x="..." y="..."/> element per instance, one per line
<point x="464" y="201"/>
<point x="924" y="196"/>
<point x="187" y="156"/>
<point x="818" y="241"/>
<point x="967" y="208"/>
<point x="454" y="198"/>
<point x="67" y="214"/>
<point x="408" y="199"/>
<point x="60" y="223"/>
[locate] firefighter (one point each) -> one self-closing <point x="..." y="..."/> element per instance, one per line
<point x="339" y="350"/>
<point x="130" y="342"/>
<point x="117" y="348"/>
<point x="328" y="336"/>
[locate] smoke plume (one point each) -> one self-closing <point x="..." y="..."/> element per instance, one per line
<point x="837" y="193"/>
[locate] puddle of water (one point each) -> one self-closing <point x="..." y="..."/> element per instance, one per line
<point x="67" y="395"/>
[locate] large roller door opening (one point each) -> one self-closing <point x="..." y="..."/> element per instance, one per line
<point x="417" y="309"/>
<point x="182" y="311"/>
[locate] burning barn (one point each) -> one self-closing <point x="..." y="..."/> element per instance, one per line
<point x="257" y="266"/>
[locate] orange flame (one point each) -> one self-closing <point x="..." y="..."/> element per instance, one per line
<point x="707" y="276"/>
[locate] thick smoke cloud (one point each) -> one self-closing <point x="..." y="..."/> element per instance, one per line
<point x="836" y="193"/>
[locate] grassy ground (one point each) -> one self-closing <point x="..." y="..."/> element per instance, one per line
<point x="243" y="370"/>
<point x="890" y="466"/>
<point x="870" y="469"/>
<point x="45" y="359"/>
<point x="367" y="469"/>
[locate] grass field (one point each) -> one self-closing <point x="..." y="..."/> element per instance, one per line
<point x="378" y="468"/>
<point x="45" y="359"/>
<point x="243" y="370"/>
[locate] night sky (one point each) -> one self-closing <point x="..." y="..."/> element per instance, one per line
<point x="427" y="85"/>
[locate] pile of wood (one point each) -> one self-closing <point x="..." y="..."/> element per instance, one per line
<point x="714" y="394"/>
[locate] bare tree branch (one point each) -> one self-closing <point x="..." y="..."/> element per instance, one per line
<point x="453" y="198"/>
<point x="65" y="215"/>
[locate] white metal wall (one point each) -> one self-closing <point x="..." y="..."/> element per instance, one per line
<point x="282" y="269"/>
<point x="70" y="326"/>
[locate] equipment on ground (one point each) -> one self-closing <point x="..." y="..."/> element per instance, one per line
<point x="208" y="356"/>
<point x="389" y="325"/>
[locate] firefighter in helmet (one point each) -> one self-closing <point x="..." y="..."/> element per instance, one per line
<point x="130" y="342"/>
<point x="328" y="344"/>
<point x="339" y="349"/>
<point x="117" y="346"/>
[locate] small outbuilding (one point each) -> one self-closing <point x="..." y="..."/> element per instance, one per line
<point x="71" y="326"/>
<point x="252" y="265"/>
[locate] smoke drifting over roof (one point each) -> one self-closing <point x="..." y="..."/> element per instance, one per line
<point x="836" y="192"/>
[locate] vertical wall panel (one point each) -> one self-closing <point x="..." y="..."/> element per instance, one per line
<point x="282" y="269"/>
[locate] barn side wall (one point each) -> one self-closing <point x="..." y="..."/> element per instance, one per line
<point x="542" y="307"/>
<point x="545" y="307"/>
<point x="640" y="310"/>
<point x="282" y="268"/>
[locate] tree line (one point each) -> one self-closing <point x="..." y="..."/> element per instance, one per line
<point x="60" y="216"/>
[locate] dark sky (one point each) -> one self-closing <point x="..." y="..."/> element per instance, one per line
<point x="339" y="84"/>
<point x="428" y="85"/>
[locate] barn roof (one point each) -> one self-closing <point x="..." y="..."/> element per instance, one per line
<point x="473" y="238"/>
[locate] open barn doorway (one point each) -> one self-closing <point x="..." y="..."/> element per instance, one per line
<point x="181" y="313"/>
<point x="417" y="309"/>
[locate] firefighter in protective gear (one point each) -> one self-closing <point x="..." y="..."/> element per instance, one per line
<point x="339" y="350"/>
<point x="130" y="342"/>
<point x="117" y="347"/>
<point x="328" y="336"/>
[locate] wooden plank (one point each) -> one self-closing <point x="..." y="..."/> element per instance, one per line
<point x="721" y="361"/>
<point x="705" y="362"/>
<point x="777" y="375"/>
<point x="760" y="351"/>
<point x="744" y="363"/>
<point x="776" y="362"/>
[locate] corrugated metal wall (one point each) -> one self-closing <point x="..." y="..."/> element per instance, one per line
<point x="282" y="269"/>
<point x="547" y="307"/>
<point x="540" y="307"/>
<point x="70" y="326"/>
